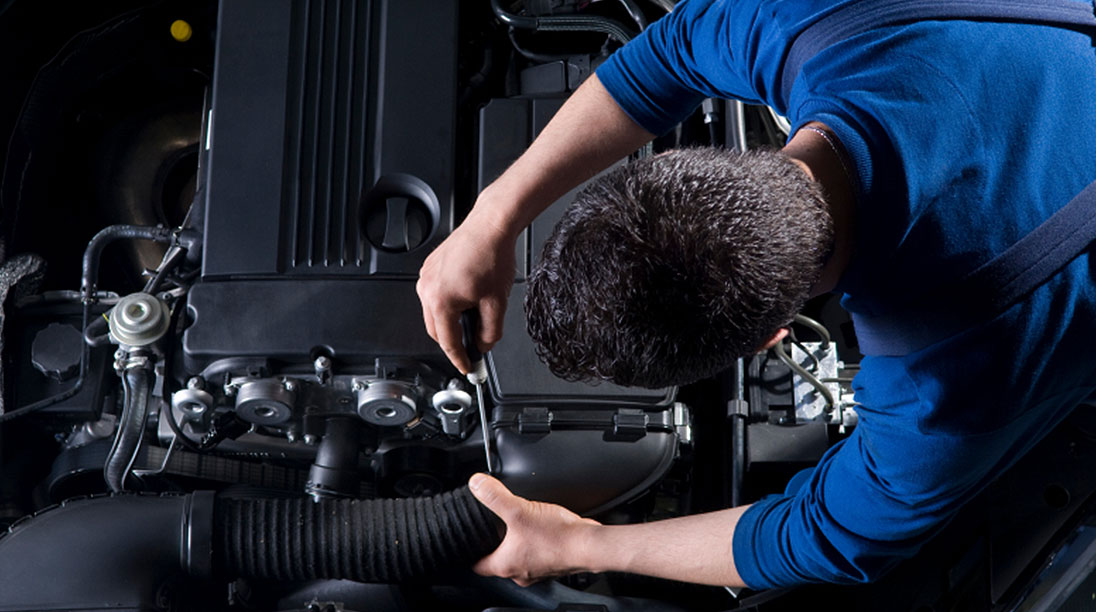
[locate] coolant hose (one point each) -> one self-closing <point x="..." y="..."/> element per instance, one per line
<point x="381" y="540"/>
<point x="137" y="388"/>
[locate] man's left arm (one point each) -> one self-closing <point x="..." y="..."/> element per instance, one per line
<point x="544" y="540"/>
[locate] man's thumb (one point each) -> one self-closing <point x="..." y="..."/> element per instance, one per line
<point x="494" y="495"/>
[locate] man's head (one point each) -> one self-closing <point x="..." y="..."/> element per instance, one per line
<point x="667" y="269"/>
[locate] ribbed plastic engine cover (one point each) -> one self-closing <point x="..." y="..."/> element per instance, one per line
<point x="331" y="137"/>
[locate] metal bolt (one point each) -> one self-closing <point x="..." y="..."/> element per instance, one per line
<point x="358" y="386"/>
<point x="291" y="435"/>
<point x="290" y="384"/>
<point x="195" y="382"/>
<point x="310" y="439"/>
<point x="323" y="362"/>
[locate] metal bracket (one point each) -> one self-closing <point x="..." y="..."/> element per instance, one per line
<point x="738" y="407"/>
<point x="535" y="420"/>
<point x="630" y="423"/>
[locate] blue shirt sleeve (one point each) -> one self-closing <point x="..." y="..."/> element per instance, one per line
<point x="867" y="506"/>
<point x="935" y="428"/>
<point x="688" y="55"/>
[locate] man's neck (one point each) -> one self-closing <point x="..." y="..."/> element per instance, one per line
<point x="822" y="163"/>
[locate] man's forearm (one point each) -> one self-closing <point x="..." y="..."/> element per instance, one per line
<point x="589" y="133"/>
<point x="690" y="548"/>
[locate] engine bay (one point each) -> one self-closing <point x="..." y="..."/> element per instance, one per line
<point x="214" y="215"/>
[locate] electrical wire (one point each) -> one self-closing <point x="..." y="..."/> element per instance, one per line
<point x="167" y="412"/>
<point x="172" y="258"/>
<point x="533" y="56"/>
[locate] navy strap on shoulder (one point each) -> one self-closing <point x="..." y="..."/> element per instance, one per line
<point x="854" y="18"/>
<point x="1012" y="275"/>
<point x="990" y="289"/>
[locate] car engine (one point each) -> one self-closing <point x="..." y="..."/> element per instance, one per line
<point x="214" y="214"/>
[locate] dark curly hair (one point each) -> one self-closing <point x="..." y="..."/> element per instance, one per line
<point x="665" y="270"/>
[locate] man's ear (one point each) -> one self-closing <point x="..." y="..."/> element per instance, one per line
<point x="771" y="342"/>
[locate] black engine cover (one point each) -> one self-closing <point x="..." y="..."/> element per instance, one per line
<point x="329" y="179"/>
<point x="313" y="104"/>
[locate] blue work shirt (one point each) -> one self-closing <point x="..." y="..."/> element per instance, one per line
<point x="963" y="136"/>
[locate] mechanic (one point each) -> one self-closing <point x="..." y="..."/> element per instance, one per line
<point x="935" y="146"/>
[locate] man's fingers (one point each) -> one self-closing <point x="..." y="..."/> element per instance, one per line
<point x="449" y="338"/>
<point x="495" y="496"/>
<point x="492" y="312"/>
<point x="428" y="320"/>
<point x="427" y="311"/>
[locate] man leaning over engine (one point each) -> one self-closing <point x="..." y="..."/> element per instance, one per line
<point x="920" y="152"/>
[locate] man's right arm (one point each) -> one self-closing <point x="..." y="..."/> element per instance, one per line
<point x="474" y="266"/>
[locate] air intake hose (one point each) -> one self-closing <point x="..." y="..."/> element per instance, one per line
<point x="131" y="546"/>
<point x="383" y="540"/>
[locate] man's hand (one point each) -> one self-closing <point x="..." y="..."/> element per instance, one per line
<point x="542" y="540"/>
<point x="472" y="268"/>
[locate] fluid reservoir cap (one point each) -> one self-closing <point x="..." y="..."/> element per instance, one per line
<point x="138" y="319"/>
<point x="181" y="30"/>
<point x="56" y="349"/>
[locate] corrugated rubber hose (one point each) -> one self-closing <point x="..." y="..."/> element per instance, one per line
<point x="383" y="540"/>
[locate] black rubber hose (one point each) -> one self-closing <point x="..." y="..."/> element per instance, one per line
<point x="137" y="388"/>
<point x="335" y="473"/>
<point x="383" y="540"/>
<point x="107" y="235"/>
<point x="96" y="333"/>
